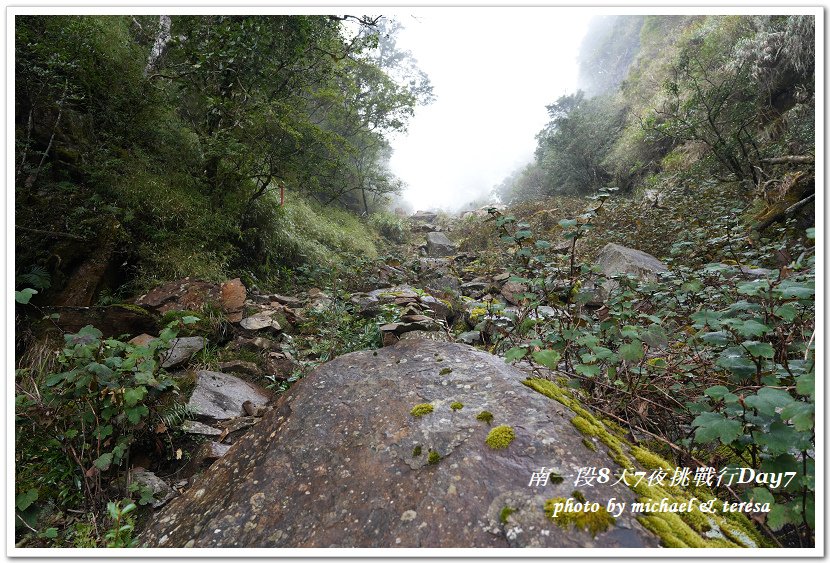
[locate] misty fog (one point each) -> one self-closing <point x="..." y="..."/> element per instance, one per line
<point x="493" y="71"/>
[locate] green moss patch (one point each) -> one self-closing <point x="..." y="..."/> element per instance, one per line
<point x="500" y="437"/>
<point x="593" y="522"/>
<point x="485" y="416"/>
<point x="421" y="409"/>
<point x="505" y="514"/>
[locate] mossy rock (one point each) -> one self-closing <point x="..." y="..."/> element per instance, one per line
<point x="684" y="529"/>
<point x="111" y="320"/>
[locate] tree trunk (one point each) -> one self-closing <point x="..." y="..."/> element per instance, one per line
<point x="365" y="204"/>
<point x="163" y="39"/>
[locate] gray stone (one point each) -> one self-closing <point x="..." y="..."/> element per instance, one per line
<point x="443" y="281"/>
<point x="615" y="259"/>
<point x="162" y="492"/>
<point x="435" y="335"/>
<point x="256" y="344"/>
<point x="439" y="245"/>
<point x="423" y="323"/>
<point x="757" y="273"/>
<point x="260" y="321"/>
<point x="470" y="337"/>
<point x="443" y="311"/>
<point x="477" y="288"/>
<point x="400" y="295"/>
<point x="320" y="301"/>
<point x="196" y="427"/>
<point x="424" y="228"/>
<point x="437" y="274"/>
<point x="368" y="306"/>
<point x="334" y="465"/>
<point x="220" y="396"/>
<point x="476" y="285"/>
<point x="424" y="216"/>
<point x="389" y="294"/>
<point x="181" y="350"/>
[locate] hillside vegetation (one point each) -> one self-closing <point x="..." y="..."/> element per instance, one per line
<point x="703" y="97"/>
<point x="175" y="166"/>
<point x="696" y="145"/>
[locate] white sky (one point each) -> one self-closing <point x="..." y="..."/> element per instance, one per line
<point x="493" y="72"/>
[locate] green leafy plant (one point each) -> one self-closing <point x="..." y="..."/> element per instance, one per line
<point x="83" y="418"/>
<point x="123" y="525"/>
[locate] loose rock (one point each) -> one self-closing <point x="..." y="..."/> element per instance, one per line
<point x="162" y="492"/>
<point x="185" y="294"/>
<point x="233" y="296"/>
<point x="439" y="245"/>
<point x="181" y="350"/>
<point x="220" y="396"/>
<point x="615" y="259"/>
<point x="196" y="427"/>
<point x="260" y="321"/>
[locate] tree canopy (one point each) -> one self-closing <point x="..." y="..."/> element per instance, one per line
<point x="208" y="116"/>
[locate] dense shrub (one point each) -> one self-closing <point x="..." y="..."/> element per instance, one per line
<point x="78" y="417"/>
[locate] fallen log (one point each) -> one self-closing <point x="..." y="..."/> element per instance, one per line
<point x="791" y="159"/>
<point x="791" y="210"/>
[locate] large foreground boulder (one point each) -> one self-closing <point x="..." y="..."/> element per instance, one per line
<point x="342" y="461"/>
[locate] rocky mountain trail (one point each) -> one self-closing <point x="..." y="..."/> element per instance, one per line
<point x="283" y="441"/>
<point x="434" y="292"/>
<point x="244" y="417"/>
